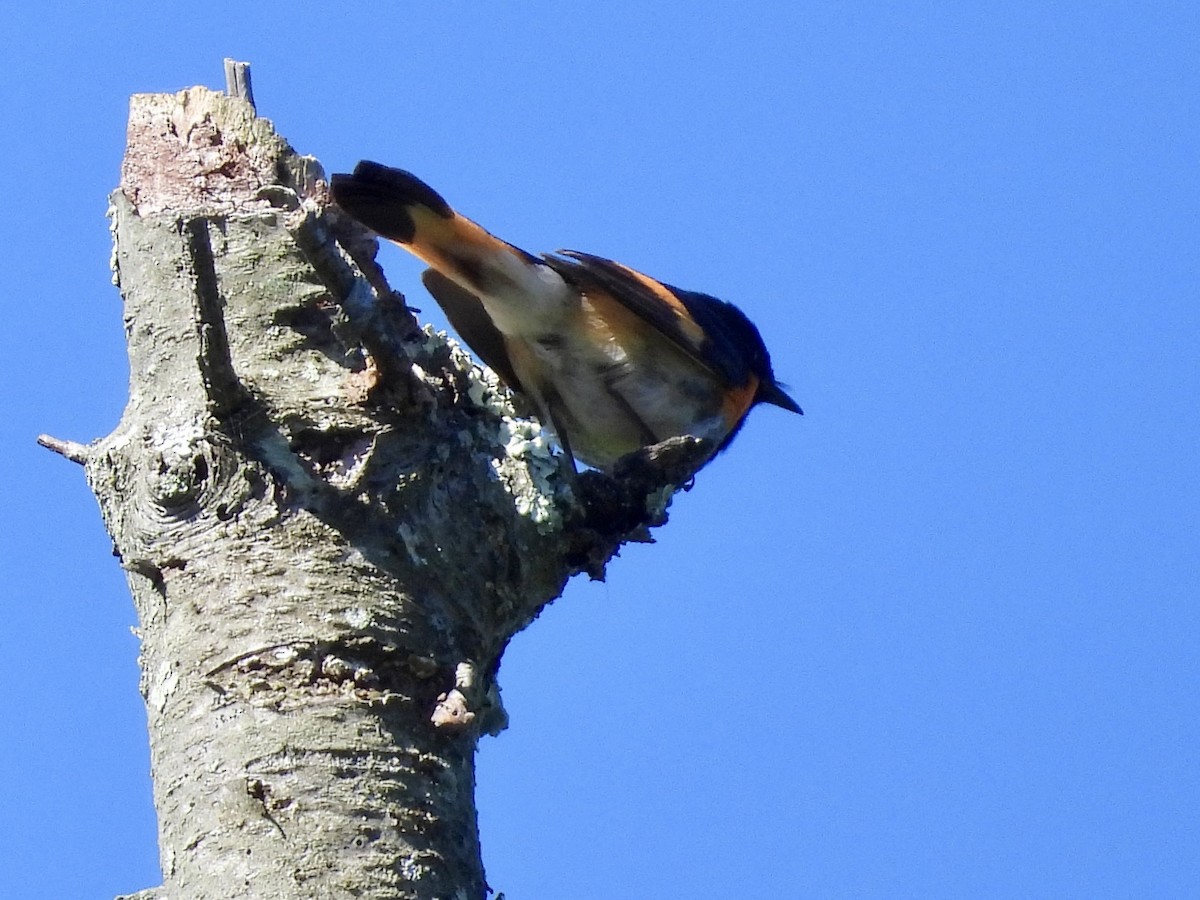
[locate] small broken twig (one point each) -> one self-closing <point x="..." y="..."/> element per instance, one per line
<point x="237" y="80"/>
<point x="72" y="450"/>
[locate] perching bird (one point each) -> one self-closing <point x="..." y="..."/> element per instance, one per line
<point x="613" y="359"/>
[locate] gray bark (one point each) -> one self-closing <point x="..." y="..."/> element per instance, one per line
<point x="332" y="524"/>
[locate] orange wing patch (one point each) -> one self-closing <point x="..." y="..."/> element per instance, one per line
<point x="686" y="323"/>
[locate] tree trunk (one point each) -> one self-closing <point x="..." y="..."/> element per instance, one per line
<point x="332" y="524"/>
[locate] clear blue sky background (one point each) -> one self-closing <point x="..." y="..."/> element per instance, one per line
<point x="939" y="638"/>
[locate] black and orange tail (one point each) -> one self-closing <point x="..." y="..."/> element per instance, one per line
<point x="404" y="209"/>
<point x="387" y="200"/>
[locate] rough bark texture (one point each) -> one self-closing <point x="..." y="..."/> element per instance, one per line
<point x="332" y="523"/>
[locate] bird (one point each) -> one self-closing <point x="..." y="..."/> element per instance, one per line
<point x="612" y="359"/>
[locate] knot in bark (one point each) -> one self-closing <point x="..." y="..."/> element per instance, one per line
<point x="186" y="474"/>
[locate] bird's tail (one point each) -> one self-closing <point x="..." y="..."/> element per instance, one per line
<point x="402" y="208"/>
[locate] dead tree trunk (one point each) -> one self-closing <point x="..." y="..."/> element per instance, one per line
<point x="332" y="524"/>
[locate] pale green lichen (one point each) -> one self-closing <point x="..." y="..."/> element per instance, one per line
<point x="428" y="342"/>
<point x="411" y="540"/>
<point x="527" y="470"/>
<point x="175" y="443"/>
<point x="421" y="375"/>
<point x="657" y="502"/>
<point x="524" y="439"/>
<point x="485" y="389"/>
<point x="488" y="392"/>
<point x="114" y="258"/>
<point x="311" y="372"/>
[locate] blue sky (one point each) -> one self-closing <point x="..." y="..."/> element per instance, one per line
<point x="938" y="638"/>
